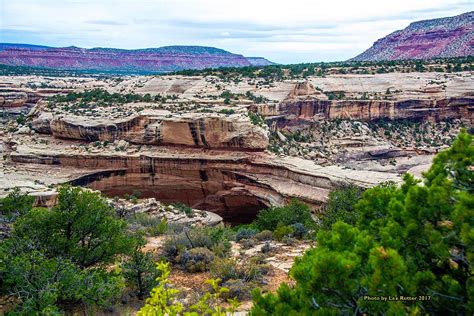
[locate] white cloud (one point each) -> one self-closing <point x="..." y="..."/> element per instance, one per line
<point x="285" y="31"/>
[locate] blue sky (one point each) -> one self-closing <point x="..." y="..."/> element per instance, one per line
<point x="283" y="31"/>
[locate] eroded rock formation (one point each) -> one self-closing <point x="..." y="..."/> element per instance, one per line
<point x="367" y="110"/>
<point x="303" y="89"/>
<point x="236" y="185"/>
<point x="191" y="129"/>
<point x="13" y="99"/>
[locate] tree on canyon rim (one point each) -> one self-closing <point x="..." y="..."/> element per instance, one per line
<point x="416" y="240"/>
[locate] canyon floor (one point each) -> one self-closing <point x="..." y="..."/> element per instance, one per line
<point x="228" y="146"/>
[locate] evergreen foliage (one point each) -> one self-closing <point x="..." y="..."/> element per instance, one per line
<point x="62" y="256"/>
<point x="294" y="212"/>
<point x="415" y="241"/>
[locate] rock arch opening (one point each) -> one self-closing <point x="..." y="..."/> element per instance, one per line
<point x="231" y="196"/>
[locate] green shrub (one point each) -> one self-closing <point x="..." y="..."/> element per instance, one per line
<point x="16" y="202"/>
<point x="219" y="233"/>
<point x="200" y="237"/>
<point x="282" y="231"/>
<point x="222" y="248"/>
<point x="184" y="208"/>
<point x="149" y="224"/>
<point x="82" y="227"/>
<point x="294" y="212"/>
<point x="175" y="245"/>
<point x="224" y="269"/>
<point x="139" y="270"/>
<point x="256" y="119"/>
<point x="238" y="289"/>
<point x="196" y="260"/>
<point x="264" y="235"/>
<point x="21" y="119"/>
<point x="160" y="228"/>
<point x="59" y="255"/>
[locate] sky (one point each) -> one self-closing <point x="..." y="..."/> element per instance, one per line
<point x="290" y="31"/>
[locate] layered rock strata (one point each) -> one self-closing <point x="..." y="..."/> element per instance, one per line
<point x="162" y="59"/>
<point x="191" y="129"/>
<point x="234" y="185"/>
<point x="437" y="38"/>
<point x="368" y="110"/>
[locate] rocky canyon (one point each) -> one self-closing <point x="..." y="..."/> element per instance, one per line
<point x="227" y="147"/>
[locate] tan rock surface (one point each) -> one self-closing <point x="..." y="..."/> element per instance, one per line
<point x="188" y="129"/>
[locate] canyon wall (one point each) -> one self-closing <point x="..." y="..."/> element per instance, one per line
<point x="13" y="99"/>
<point x="290" y="177"/>
<point x="191" y="129"/>
<point x="234" y="188"/>
<point x="367" y="110"/>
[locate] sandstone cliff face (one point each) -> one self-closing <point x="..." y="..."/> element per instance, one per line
<point x="13" y="99"/>
<point x="233" y="184"/>
<point x="367" y="110"/>
<point x="191" y="129"/>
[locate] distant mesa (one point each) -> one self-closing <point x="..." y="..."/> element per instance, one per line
<point x="437" y="38"/>
<point x="148" y="60"/>
<point x="259" y="61"/>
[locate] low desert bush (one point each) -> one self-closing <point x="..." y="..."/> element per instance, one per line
<point x="264" y="235"/>
<point x="288" y="241"/>
<point x="245" y="233"/>
<point x="173" y="246"/>
<point x="252" y="270"/>
<point x="196" y="260"/>
<point x="159" y="229"/>
<point x="213" y="239"/>
<point x="299" y="231"/>
<point x="266" y="248"/>
<point x="184" y="208"/>
<point x="224" y="269"/>
<point x="248" y="243"/>
<point x="238" y="289"/>
<point x="149" y="224"/>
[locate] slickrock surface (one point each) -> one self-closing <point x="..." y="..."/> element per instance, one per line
<point x="169" y="213"/>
